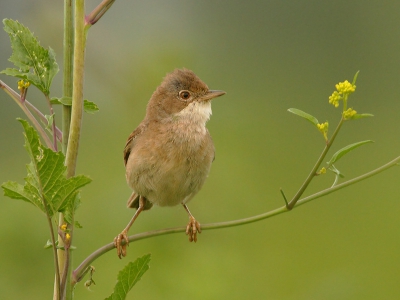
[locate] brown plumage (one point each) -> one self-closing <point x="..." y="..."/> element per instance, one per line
<point x="169" y="155"/>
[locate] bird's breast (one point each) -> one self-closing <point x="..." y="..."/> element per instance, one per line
<point x="171" y="166"/>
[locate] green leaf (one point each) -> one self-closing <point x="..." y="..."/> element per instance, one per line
<point x="304" y="115"/>
<point x="360" y="116"/>
<point x="46" y="183"/>
<point x="88" y="106"/>
<point x="78" y="225"/>
<point x="355" y="78"/>
<point x="34" y="63"/>
<point x="129" y="276"/>
<point x="346" y="150"/>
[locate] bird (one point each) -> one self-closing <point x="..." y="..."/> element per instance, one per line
<point x="169" y="155"/>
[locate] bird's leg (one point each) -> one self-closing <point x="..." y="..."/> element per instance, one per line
<point x="193" y="227"/>
<point x="123" y="236"/>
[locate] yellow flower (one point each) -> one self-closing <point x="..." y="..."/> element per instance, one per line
<point x="322" y="171"/>
<point x="23" y="84"/>
<point x="63" y="227"/>
<point x="323" y="128"/>
<point x="334" y="99"/>
<point x="67" y="236"/>
<point x="349" y="113"/>
<point x="345" y="87"/>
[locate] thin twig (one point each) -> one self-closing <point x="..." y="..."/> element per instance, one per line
<point x="78" y="273"/>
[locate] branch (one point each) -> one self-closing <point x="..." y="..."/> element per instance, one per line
<point x="14" y="95"/>
<point x="80" y="271"/>
<point x="99" y="11"/>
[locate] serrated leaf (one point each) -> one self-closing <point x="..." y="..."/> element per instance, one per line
<point x="46" y="182"/>
<point x="304" y="115"/>
<point x="360" y="116"/>
<point x="129" y="276"/>
<point x="346" y="150"/>
<point x="88" y="106"/>
<point x="34" y="63"/>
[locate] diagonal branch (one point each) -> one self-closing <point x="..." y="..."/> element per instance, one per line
<point x="81" y="270"/>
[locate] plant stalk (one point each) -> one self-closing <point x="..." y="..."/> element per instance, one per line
<point x="64" y="257"/>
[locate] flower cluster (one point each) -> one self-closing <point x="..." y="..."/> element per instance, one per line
<point x="343" y="89"/>
<point x="23" y="84"/>
<point x="323" y="128"/>
<point x="348" y="114"/>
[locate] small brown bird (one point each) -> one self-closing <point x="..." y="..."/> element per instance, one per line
<point x="169" y="155"/>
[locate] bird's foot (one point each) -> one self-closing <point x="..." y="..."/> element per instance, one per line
<point x="192" y="228"/>
<point x="121" y="242"/>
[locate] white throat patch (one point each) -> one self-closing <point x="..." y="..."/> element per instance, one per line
<point x="196" y="112"/>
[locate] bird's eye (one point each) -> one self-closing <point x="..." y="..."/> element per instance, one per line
<point x="184" y="95"/>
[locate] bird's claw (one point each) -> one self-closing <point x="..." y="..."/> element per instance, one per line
<point x="192" y="228"/>
<point x="121" y="242"/>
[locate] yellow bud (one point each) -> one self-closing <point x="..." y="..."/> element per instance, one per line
<point x="349" y="113"/>
<point x="345" y="87"/>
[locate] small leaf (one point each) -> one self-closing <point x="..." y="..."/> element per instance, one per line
<point x="304" y="115"/>
<point x="78" y="225"/>
<point x="355" y="78"/>
<point x="49" y="119"/>
<point x="34" y="63"/>
<point x="48" y="245"/>
<point x="360" y="116"/>
<point x="63" y="100"/>
<point x="46" y="183"/>
<point x="129" y="276"/>
<point x="346" y="150"/>
<point x="88" y="106"/>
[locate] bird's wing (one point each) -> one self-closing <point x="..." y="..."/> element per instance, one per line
<point x="130" y="143"/>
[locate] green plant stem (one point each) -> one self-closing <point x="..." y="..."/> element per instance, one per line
<point x="64" y="258"/>
<point x="76" y="109"/>
<point x="314" y="170"/>
<point x="21" y="104"/>
<point x="81" y="270"/>
<point x="77" y="94"/>
<point x="57" y="293"/>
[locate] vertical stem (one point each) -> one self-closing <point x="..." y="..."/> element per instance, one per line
<point x="77" y="93"/>
<point x="63" y="256"/>
<point x="56" y="294"/>
<point x="76" y="114"/>
<point x="68" y="65"/>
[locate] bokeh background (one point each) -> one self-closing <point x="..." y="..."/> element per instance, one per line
<point x="268" y="56"/>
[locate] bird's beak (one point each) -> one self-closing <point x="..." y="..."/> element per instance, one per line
<point x="212" y="94"/>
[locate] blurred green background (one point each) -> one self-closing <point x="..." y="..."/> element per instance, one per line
<point x="268" y="56"/>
